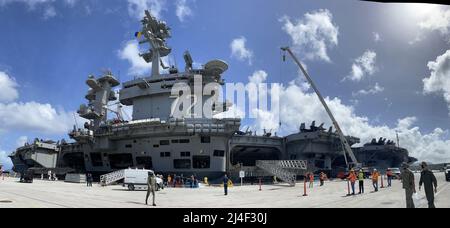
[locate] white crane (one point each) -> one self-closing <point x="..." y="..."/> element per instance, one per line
<point x="344" y="142"/>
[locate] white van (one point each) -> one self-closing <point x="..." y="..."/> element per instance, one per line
<point x="447" y="172"/>
<point x="137" y="179"/>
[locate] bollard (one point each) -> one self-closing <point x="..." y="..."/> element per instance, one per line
<point x="382" y="185"/>
<point x="260" y="184"/>
<point x="304" y="188"/>
<point x="348" y="188"/>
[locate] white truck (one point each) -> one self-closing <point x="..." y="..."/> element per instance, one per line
<point x="137" y="179"/>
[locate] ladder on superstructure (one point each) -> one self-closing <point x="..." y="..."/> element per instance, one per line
<point x="110" y="178"/>
<point x="286" y="170"/>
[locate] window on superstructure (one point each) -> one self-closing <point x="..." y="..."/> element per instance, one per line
<point x="219" y="153"/>
<point x="175" y="141"/>
<point x="184" y="140"/>
<point x="206" y="139"/>
<point x="164" y="142"/>
<point x="165" y="154"/>
<point x="128" y="146"/>
<point x="144" y="162"/>
<point x="182" y="163"/>
<point x="185" y="154"/>
<point x="201" y="162"/>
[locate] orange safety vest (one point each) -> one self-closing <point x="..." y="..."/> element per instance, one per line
<point x="375" y="176"/>
<point x="352" y="177"/>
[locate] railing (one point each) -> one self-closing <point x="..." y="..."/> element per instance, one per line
<point x="286" y="170"/>
<point x="110" y="178"/>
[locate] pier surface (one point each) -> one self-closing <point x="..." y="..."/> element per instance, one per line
<point x="47" y="194"/>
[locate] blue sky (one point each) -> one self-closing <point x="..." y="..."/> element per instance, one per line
<point x="48" y="48"/>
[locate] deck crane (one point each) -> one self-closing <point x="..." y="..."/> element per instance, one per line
<point x="344" y="142"/>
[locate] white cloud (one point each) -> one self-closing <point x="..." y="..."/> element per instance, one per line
<point x="363" y="66"/>
<point x="30" y="116"/>
<point x="437" y="20"/>
<point x="370" y="91"/>
<point x="49" y="12"/>
<point x="313" y="35"/>
<point x="31" y="3"/>
<point x="8" y="88"/>
<point x="240" y="51"/>
<point x="376" y="37"/>
<point x="233" y="112"/>
<point x="419" y="38"/>
<point x="21" y="141"/>
<point x="183" y="10"/>
<point x="139" y="66"/>
<point x="136" y="8"/>
<point x="130" y="52"/>
<point x="439" y="80"/>
<point x="5" y="160"/>
<point x="71" y="3"/>
<point x="256" y="80"/>
<point x="258" y="77"/>
<point x="33" y="116"/>
<point x="297" y="106"/>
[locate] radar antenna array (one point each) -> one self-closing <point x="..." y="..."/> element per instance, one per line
<point x="155" y="32"/>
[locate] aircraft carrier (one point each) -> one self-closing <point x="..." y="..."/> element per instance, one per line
<point x="156" y="140"/>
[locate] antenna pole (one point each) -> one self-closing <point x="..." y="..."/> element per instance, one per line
<point x="75" y="118"/>
<point x="398" y="139"/>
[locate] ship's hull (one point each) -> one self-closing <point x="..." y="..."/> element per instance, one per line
<point x="187" y="155"/>
<point x="213" y="155"/>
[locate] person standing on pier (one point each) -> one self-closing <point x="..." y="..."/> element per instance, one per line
<point x="428" y="179"/>
<point x="151" y="187"/>
<point x="389" y="175"/>
<point x="225" y="184"/>
<point x="361" y="181"/>
<point x="408" y="184"/>
<point x="311" y="180"/>
<point x="352" y="179"/>
<point x="322" y="178"/>
<point x="375" y="176"/>
<point x="89" y="180"/>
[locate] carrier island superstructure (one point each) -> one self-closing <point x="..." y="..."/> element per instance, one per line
<point x="155" y="139"/>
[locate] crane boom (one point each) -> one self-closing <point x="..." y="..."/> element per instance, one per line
<point x="345" y="144"/>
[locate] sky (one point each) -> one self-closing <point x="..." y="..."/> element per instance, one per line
<point x="384" y="67"/>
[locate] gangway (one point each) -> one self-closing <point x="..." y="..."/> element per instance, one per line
<point x="286" y="170"/>
<point x="110" y="178"/>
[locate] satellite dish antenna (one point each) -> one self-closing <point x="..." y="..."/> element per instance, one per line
<point x="216" y="67"/>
